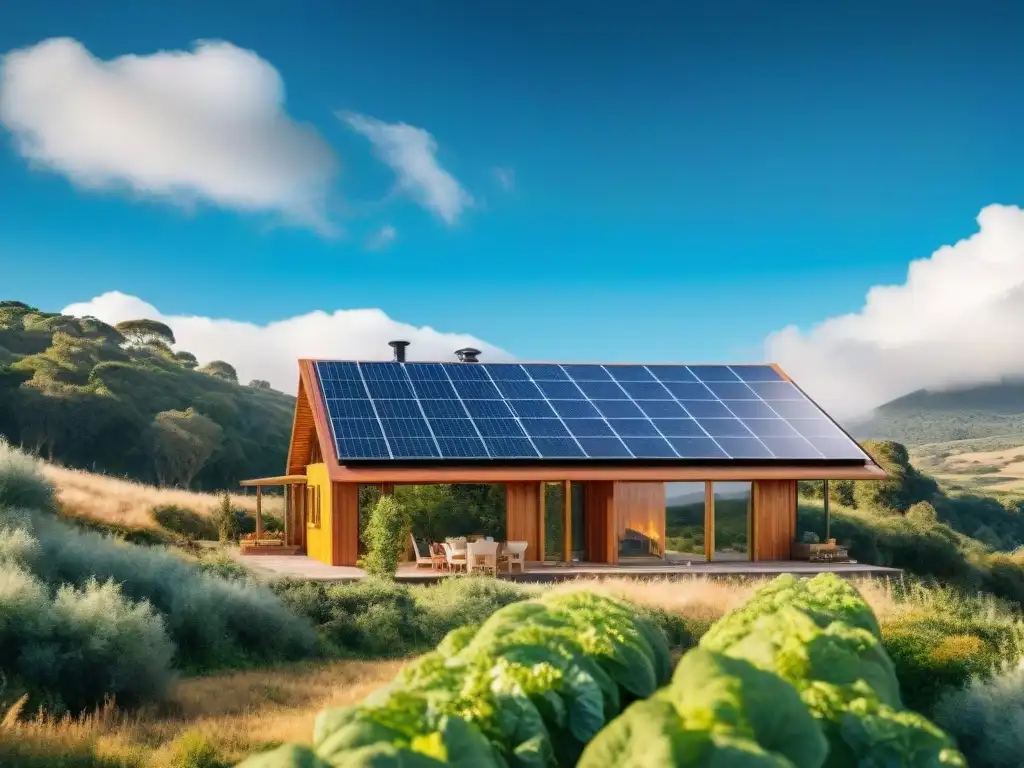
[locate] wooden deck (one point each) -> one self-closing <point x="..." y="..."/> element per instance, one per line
<point x="302" y="567"/>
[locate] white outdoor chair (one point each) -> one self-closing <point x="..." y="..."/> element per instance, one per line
<point x="482" y="556"/>
<point x="421" y="558"/>
<point x="455" y="559"/>
<point x="515" y="554"/>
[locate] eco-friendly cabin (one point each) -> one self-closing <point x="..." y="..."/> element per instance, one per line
<point x="655" y="461"/>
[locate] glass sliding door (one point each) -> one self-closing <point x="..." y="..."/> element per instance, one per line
<point x="733" y="519"/>
<point x="579" y="521"/>
<point x="684" y="521"/>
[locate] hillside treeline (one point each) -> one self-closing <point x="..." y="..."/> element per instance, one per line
<point x="121" y="401"/>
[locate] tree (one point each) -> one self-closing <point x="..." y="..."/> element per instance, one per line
<point x="259" y="384"/>
<point x="142" y="331"/>
<point x="182" y="442"/>
<point x="187" y="359"/>
<point x="384" y="536"/>
<point x="903" y="486"/>
<point x="221" y="370"/>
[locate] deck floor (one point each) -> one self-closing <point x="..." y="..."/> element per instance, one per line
<point x="302" y="567"/>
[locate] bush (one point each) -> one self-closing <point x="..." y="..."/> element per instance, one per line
<point x="194" y="749"/>
<point x="987" y="719"/>
<point x="385" y="537"/>
<point x="185" y="522"/>
<point x="21" y="484"/>
<point x="71" y="649"/>
<point x="232" y="523"/>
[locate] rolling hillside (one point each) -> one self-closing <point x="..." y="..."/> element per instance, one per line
<point x="993" y="410"/>
<point x="122" y="401"/>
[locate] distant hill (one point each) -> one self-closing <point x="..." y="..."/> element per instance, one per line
<point x="122" y="401"/>
<point x="935" y="417"/>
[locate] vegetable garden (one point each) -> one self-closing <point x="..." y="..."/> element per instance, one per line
<point x="797" y="677"/>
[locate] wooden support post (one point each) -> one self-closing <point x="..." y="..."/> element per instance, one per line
<point x="828" y="513"/>
<point x="259" y="514"/>
<point x="709" y="521"/>
<point x="542" y="521"/>
<point x="567" y="521"/>
<point x="287" y="492"/>
<point x="386" y="489"/>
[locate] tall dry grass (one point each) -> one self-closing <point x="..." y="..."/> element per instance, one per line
<point x="228" y="716"/>
<point x="128" y="503"/>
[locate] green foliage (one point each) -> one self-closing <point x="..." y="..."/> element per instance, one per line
<point x="184" y="522"/>
<point x="528" y="689"/>
<point x="228" y="520"/>
<point x="922" y="514"/>
<point x="259" y="384"/>
<point x="221" y="370"/>
<point x="142" y="331"/>
<point x="385" y="536"/>
<point x="73" y="390"/>
<point x="904" y="485"/>
<point x="212" y="622"/>
<point x="181" y="442"/>
<point x="375" y="618"/>
<point x="796" y="676"/>
<point x="987" y="718"/>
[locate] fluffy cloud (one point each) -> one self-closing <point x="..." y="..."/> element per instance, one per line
<point x="270" y="351"/>
<point x="381" y="239"/>
<point x="957" y="320"/>
<point x="412" y="154"/>
<point x="206" y="125"/>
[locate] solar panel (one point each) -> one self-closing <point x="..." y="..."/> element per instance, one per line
<point x="470" y="411"/>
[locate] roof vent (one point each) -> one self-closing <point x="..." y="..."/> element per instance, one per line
<point x="399" y="347"/>
<point x="467" y="355"/>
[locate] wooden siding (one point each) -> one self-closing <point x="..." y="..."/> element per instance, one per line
<point x="640" y="507"/>
<point x="319" y="538"/>
<point x="524" y="517"/>
<point x="774" y="519"/>
<point x="303" y="434"/>
<point x="345" y="526"/>
<point x="600" y="544"/>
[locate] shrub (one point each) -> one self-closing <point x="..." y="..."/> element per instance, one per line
<point x="184" y="522"/>
<point x="987" y="719"/>
<point x="194" y="749"/>
<point x="70" y="650"/>
<point x="232" y="523"/>
<point x="21" y="484"/>
<point x="213" y="622"/>
<point x="385" y="537"/>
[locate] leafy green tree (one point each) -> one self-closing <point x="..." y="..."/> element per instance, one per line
<point x="260" y="384"/>
<point x="181" y="442"/>
<point x="186" y="359"/>
<point x="385" y="536"/>
<point x="903" y="486"/>
<point x="221" y="370"/>
<point x="142" y="331"/>
<point x="923" y="514"/>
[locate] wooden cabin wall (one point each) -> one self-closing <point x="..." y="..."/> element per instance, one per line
<point x="600" y="543"/>
<point x="524" y="517"/>
<point x="345" y="526"/>
<point x="774" y="519"/>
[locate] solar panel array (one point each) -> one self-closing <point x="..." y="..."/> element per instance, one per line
<point x="545" y="411"/>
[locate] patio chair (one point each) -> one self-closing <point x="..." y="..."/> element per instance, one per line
<point x="437" y="557"/>
<point x="421" y="559"/>
<point x="482" y="556"/>
<point x="514" y="553"/>
<point x="455" y="559"/>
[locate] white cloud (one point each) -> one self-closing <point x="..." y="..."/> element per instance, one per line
<point x="506" y="177"/>
<point x="957" y="320"/>
<point x="381" y="238"/>
<point x="206" y="125"/>
<point x="412" y="154"/>
<point x="270" y="351"/>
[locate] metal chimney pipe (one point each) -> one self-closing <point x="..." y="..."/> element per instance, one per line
<point x="399" y="347"/>
<point x="467" y="355"/>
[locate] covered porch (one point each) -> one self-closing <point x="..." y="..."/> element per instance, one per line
<point x="292" y="541"/>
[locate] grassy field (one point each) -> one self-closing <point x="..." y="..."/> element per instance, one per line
<point x="129" y="504"/>
<point x="989" y="464"/>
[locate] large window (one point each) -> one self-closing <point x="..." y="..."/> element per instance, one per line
<point x="684" y="521"/>
<point x="733" y="518"/>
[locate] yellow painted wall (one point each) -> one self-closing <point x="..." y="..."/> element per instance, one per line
<point x="319" y="540"/>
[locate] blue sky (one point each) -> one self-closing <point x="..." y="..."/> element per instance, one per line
<point x="686" y="178"/>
